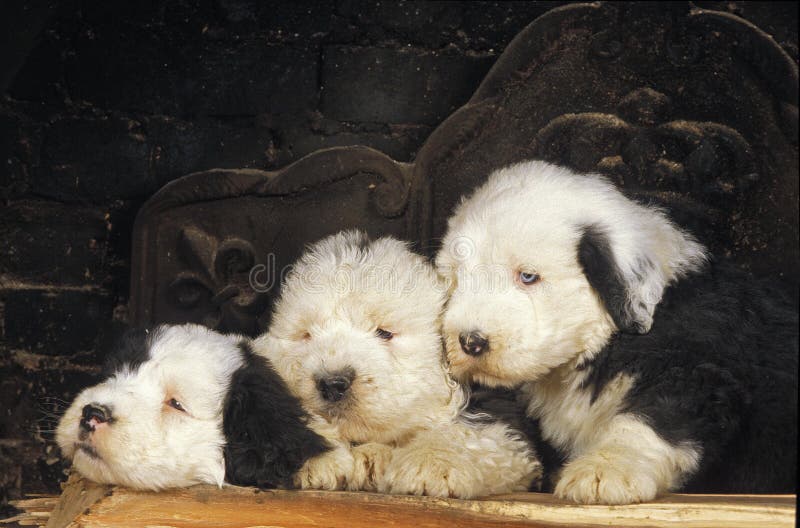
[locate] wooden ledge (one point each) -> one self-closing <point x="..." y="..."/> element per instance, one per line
<point x="87" y="505"/>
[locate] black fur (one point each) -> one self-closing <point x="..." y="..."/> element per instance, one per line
<point x="132" y="349"/>
<point x="719" y="367"/>
<point x="265" y="428"/>
<point x="599" y="266"/>
<point x="507" y="406"/>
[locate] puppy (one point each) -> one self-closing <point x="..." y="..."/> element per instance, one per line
<point x="649" y="366"/>
<point x="355" y="334"/>
<point x="182" y="405"/>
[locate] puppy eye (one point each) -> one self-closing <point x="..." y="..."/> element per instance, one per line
<point x="306" y="336"/>
<point x="384" y="334"/>
<point x="175" y="404"/>
<point x="528" y="278"/>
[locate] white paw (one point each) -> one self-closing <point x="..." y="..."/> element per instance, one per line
<point x="370" y="462"/>
<point x="329" y="471"/>
<point x="597" y="479"/>
<point x="431" y="472"/>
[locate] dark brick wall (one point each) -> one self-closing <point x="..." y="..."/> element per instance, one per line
<point x="106" y="101"/>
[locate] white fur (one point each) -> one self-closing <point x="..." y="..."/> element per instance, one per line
<point x="614" y="458"/>
<point x="461" y="460"/>
<point x="152" y="445"/>
<point x="529" y="218"/>
<point x="337" y="296"/>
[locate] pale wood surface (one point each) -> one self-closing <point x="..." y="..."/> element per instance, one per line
<point x="87" y="505"/>
<point x="78" y="496"/>
<point x="35" y="511"/>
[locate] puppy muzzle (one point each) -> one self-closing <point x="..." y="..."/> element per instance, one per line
<point x="473" y="343"/>
<point x="334" y="387"/>
<point x="93" y="415"/>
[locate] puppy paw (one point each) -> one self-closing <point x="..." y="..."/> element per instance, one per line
<point x="329" y="471"/>
<point x="370" y="461"/>
<point x="596" y="479"/>
<point x="430" y="472"/>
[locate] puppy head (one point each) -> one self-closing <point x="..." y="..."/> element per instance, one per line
<point x="355" y="334"/>
<point x="543" y="265"/>
<point x="155" y="422"/>
<point x="160" y="418"/>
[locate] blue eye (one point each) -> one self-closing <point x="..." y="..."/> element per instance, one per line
<point x="528" y="278"/>
<point x="175" y="404"/>
<point x="384" y="334"/>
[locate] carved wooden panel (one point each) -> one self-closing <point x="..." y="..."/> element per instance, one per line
<point x="211" y="247"/>
<point x="692" y="108"/>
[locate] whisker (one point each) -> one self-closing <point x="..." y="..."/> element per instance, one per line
<point x="53" y="408"/>
<point x="53" y="398"/>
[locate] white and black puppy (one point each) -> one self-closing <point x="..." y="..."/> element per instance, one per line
<point x="649" y="366"/>
<point x="355" y="334"/>
<point x="183" y="405"/>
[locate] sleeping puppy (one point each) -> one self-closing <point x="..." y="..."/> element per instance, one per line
<point x="649" y="366"/>
<point x="182" y="405"/>
<point x="355" y="334"/>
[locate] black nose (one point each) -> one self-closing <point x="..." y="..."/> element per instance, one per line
<point x="473" y="343"/>
<point x="99" y="413"/>
<point x="333" y="387"/>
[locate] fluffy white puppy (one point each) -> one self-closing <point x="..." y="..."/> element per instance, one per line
<point x="182" y="405"/>
<point x="355" y="334"/>
<point x="648" y="367"/>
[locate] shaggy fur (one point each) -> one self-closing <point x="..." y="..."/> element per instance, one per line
<point x="508" y="406"/>
<point x="355" y="334"/>
<point x="648" y="366"/>
<point x="267" y="437"/>
<point x="182" y="405"/>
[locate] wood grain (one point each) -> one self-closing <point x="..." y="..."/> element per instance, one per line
<point x="77" y="496"/>
<point x="234" y="507"/>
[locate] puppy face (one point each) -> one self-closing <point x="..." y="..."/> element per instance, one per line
<point x="156" y="421"/>
<point x="543" y="265"/>
<point x="355" y="334"/>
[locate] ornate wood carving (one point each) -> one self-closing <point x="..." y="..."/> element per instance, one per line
<point x="211" y="247"/>
<point x="693" y="108"/>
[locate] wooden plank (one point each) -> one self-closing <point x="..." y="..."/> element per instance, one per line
<point x="58" y="511"/>
<point x="35" y="511"/>
<point x="78" y="495"/>
<point x="241" y="507"/>
<point x="234" y="507"/>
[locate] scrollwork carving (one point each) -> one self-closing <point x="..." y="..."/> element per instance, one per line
<point x="711" y="161"/>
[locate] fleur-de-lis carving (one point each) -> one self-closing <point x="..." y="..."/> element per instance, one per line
<point x="215" y="290"/>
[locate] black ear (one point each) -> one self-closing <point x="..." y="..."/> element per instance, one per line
<point x="597" y="260"/>
<point x="129" y="351"/>
<point x="266" y="432"/>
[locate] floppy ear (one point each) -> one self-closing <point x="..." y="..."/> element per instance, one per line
<point x="129" y="351"/>
<point x="631" y="280"/>
<point x="267" y="439"/>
